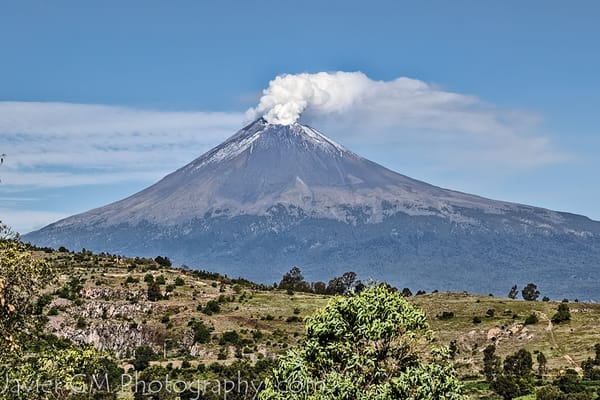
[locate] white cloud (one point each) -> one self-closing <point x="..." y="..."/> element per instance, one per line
<point x="24" y="221"/>
<point x="63" y="144"/>
<point x="355" y="108"/>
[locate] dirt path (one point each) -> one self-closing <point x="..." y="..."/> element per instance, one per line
<point x="550" y="330"/>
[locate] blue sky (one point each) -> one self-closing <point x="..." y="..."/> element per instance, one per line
<point x="99" y="99"/>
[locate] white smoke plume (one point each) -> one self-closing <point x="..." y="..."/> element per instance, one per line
<point x="323" y="93"/>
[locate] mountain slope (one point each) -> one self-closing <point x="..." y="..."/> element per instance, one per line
<point x="272" y="196"/>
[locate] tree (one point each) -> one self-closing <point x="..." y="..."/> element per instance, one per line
<point x="491" y="363"/>
<point x="516" y="379"/>
<point x="562" y="314"/>
<point x="542" y="363"/>
<point x="293" y="280"/>
<point x="530" y="292"/>
<point x="342" y="284"/>
<point x="550" y="393"/>
<point x="154" y="292"/>
<point x="406" y="292"/>
<point x="143" y="356"/>
<point x="363" y="346"/>
<point x="519" y="364"/>
<point x="26" y="355"/>
<point x="514" y="292"/>
<point x="319" y="287"/>
<point x="22" y="276"/>
<point x="163" y="261"/>
<point x="507" y="387"/>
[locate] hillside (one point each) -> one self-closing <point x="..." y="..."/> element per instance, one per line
<point x="103" y="300"/>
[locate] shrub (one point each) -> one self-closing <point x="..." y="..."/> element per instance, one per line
<point x="532" y="319"/>
<point x="179" y="281"/>
<point x="476" y="320"/>
<point x="163" y="261"/>
<point x="563" y="314"/>
<point x="143" y="356"/>
<point x="154" y="293"/>
<point x="231" y="337"/>
<point x="212" y="307"/>
<point x="446" y="315"/>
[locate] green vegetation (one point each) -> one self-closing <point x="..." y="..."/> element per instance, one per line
<point x="365" y="347"/>
<point x="203" y="325"/>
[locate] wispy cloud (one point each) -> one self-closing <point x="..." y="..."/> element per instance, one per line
<point x="24" y="221"/>
<point x="63" y="144"/>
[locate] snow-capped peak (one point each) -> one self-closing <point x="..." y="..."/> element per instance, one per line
<point x="247" y="138"/>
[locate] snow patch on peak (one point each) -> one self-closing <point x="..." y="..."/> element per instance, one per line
<point x="320" y="138"/>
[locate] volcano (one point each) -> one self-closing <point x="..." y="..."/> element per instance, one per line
<point x="274" y="196"/>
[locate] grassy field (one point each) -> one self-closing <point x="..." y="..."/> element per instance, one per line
<point x="102" y="300"/>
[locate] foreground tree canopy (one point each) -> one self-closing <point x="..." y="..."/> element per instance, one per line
<point x="364" y="346"/>
<point x="27" y="355"/>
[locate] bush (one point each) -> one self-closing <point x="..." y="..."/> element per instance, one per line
<point x="143" y="356"/>
<point x="179" y="281"/>
<point x="154" y="293"/>
<point x="550" y="393"/>
<point x="231" y="337"/>
<point x="163" y="261"/>
<point x="212" y="307"/>
<point x="563" y="314"/>
<point x="532" y="319"/>
<point x="161" y="280"/>
<point x="446" y="315"/>
<point x="201" y="331"/>
<point x="81" y="324"/>
<point x="476" y="320"/>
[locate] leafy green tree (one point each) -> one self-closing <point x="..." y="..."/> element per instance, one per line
<point x="154" y="293"/>
<point x="519" y="364"/>
<point x="550" y="393"/>
<point x="491" y="363"/>
<point x="22" y="276"/>
<point x="163" y="261"/>
<point x="201" y="331"/>
<point x="363" y="346"/>
<point x="530" y="292"/>
<point x="319" y="287"/>
<point x="342" y="284"/>
<point x="293" y="280"/>
<point x="507" y="387"/>
<point x="569" y="382"/>
<point x="542" y="364"/>
<point x="76" y="373"/>
<point x="26" y="355"/>
<point x="143" y="356"/>
<point x="516" y="378"/>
